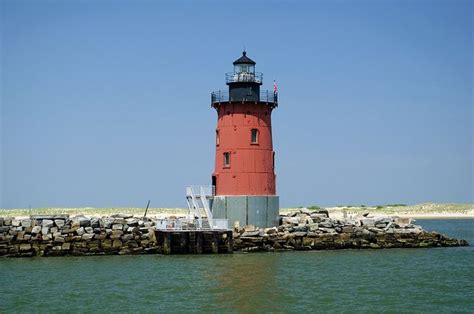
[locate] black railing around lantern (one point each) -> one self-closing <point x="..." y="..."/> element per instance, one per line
<point x="223" y="96"/>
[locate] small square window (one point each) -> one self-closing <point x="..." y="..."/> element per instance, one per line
<point x="254" y="136"/>
<point x="226" y="160"/>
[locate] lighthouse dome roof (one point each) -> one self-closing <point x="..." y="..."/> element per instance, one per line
<point x="244" y="59"/>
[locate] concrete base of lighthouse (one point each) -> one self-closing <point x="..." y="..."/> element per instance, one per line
<point x="260" y="211"/>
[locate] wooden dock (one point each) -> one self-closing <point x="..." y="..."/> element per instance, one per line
<point x="194" y="241"/>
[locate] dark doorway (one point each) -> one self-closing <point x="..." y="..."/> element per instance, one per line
<point x="214" y="181"/>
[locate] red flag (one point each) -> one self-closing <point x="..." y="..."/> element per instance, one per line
<point x="275" y="87"/>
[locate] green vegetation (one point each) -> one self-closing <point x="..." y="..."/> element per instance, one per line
<point x="314" y="207"/>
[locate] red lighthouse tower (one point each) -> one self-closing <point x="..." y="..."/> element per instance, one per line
<point x="244" y="175"/>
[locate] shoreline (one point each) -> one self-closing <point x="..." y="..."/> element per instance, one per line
<point x="181" y="213"/>
<point x="418" y="211"/>
<point x="432" y="215"/>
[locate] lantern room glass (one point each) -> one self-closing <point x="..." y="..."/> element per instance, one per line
<point x="244" y="68"/>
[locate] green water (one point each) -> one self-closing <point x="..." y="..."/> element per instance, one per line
<point x="395" y="280"/>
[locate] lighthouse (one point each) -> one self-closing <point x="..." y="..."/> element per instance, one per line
<point x="244" y="174"/>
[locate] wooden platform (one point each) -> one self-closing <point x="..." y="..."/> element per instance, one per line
<point x="194" y="241"/>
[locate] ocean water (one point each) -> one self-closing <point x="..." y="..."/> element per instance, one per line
<point x="439" y="280"/>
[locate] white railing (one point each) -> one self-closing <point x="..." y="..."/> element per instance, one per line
<point x="232" y="77"/>
<point x="190" y="224"/>
<point x="207" y="190"/>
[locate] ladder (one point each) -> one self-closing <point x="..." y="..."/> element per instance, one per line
<point x="197" y="198"/>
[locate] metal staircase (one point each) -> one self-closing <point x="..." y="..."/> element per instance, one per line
<point x="198" y="198"/>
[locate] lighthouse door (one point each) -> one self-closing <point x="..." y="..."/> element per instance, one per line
<point x="214" y="182"/>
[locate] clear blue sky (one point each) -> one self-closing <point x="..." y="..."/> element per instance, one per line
<point x="108" y="103"/>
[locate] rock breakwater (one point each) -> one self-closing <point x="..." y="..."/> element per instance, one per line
<point x="123" y="234"/>
<point x="306" y="230"/>
<point x="61" y="235"/>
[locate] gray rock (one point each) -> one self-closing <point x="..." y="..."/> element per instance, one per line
<point x="95" y="222"/>
<point x="400" y="220"/>
<point x="348" y="229"/>
<point x="249" y="228"/>
<point x="271" y="230"/>
<point x="383" y="220"/>
<point x="322" y="212"/>
<point x="84" y="221"/>
<point x="304" y="210"/>
<point x="291" y="220"/>
<point x="376" y="230"/>
<point x="36" y="229"/>
<point x="368" y="222"/>
<point x="116" y="234"/>
<point x="26" y="223"/>
<point x="327" y="230"/>
<point x="16" y="222"/>
<point x="299" y="234"/>
<point x="124" y="216"/>
<point x="44" y="230"/>
<point x="47" y="223"/>
<point x="80" y="231"/>
<point x="81" y="221"/>
<point x="87" y="236"/>
<point x="25" y="247"/>
<point x="300" y="228"/>
<point x="133" y="230"/>
<point x="326" y="224"/>
<point x="117" y="227"/>
<point x="59" y="239"/>
<point x="313" y="227"/>
<point x="127" y="237"/>
<point x="107" y="222"/>
<point x="59" y="223"/>
<point x="4" y="229"/>
<point x="251" y="233"/>
<point x="120" y="221"/>
<point x="89" y="230"/>
<point x="132" y="222"/>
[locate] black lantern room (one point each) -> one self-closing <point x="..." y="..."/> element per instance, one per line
<point x="244" y="83"/>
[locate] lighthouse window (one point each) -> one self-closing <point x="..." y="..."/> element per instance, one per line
<point x="217" y="137"/>
<point x="227" y="159"/>
<point x="254" y="136"/>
